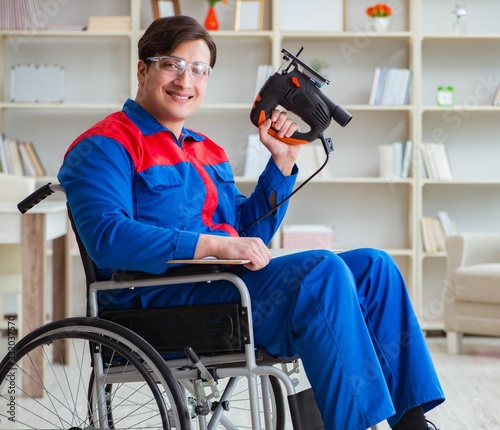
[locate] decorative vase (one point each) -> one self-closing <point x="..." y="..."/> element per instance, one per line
<point x="211" y="21"/>
<point x="379" y="24"/>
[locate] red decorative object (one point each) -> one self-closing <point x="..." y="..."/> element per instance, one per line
<point x="211" y="21"/>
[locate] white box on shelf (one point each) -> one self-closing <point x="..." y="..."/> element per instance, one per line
<point x="37" y="83"/>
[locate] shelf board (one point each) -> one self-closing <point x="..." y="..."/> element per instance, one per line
<point x="367" y="107"/>
<point x="460" y="108"/>
<point x="439" y="254"/>
<point x="345" y="35"/>
<point x="431" y="325"/>
<point x="437" y="37"/>
<point x="62" y="33"/>
<point x="221" y="107"/>
<point x="481" y="182"/>
<point x="223" y="34"/>
<point x="61" y="106"/>
<point x="206" y="107"/>
<point x="350" y="180"/>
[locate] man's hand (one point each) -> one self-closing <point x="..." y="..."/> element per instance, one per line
<point x="234" y="248"/>
<point x="284" y="155"/>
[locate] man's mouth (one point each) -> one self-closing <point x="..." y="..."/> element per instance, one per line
<point x="179" y="97"/>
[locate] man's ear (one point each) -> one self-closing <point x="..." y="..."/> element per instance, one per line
<point x="142" y="70"/>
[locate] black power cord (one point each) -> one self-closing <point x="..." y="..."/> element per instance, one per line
<point x="328" y="147"/>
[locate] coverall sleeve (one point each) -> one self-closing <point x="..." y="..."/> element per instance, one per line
<point x="272" y="185"/>
<point x="97" y="176"/>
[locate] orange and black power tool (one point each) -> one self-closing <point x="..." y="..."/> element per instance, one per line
<point x="299" y="91"/>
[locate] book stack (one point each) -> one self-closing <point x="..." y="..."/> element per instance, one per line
<point x="395" y="160"/>
<point x="390" y="86"/>
<point x="19" y="158"/>
<point x="435" y="230"/>
<point x="21" y="15"/>
<point x="436" y="161"/>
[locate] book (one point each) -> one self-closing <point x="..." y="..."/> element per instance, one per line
<point x="35" y="159"/>
<point x="109" y="23"/>
<point x="391" y="160"/>
<point x="14" y="158"/>
<point x="407" y="157"/>
<point x="21" y="15"/>
<point x="28" y="165"/>
<point x="3" y="161"/>
<point x="263" y="73"/>
<point x="433" y="234"/>
<point x="428" y="236"/>
<point x="448" y="225"/>
<point x="374" y="87"/>
<point x="256" y="158"/>
<point x="439" y="236"/>
<point x="390" y="86"/>
<point x="496" y="97"/>
<point x="307" y="161"/>
<point x="436" y="162"/>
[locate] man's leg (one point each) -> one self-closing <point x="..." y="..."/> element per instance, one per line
<point x="394" y="329"/>
<point x="307" y="304"/>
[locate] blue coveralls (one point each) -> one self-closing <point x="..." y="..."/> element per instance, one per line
<point x="139" y="198"/>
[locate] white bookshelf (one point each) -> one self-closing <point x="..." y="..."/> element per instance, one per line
<point x="364" y="209"/>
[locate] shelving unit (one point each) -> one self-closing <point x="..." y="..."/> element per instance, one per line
<point x="364" y="209"/>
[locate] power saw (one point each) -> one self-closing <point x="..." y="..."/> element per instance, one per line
<point x="297" y="88"/>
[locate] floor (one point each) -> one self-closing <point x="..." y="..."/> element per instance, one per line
<point x="471" y="382"/>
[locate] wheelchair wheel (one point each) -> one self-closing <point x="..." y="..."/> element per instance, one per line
<point x="236" y="413"/>
<point x="37" y="391"/>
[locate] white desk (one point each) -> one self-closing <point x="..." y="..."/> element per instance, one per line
<point x="47" y="221"/>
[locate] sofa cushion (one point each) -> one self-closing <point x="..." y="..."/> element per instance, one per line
<point x="478" y="283"/>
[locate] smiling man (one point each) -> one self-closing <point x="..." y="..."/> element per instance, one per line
<point x="144" y="189"/>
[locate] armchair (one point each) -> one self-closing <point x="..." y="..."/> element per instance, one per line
<point x="472" y="296"/>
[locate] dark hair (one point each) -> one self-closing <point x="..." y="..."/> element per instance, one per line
<point x="165" y="35"/>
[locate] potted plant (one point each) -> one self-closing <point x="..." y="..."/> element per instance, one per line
<point x="380" y="15"/>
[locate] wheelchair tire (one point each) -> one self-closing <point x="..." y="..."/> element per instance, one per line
<point x="145" y="395"/>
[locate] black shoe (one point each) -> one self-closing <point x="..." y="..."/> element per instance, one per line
<point x="432" y="426"/>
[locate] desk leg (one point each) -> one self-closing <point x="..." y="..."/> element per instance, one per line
<point x="33" y="268"/>
<point x="60" y="297"/>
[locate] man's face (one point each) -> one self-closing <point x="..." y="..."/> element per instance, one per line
<point x="172" y="98"/>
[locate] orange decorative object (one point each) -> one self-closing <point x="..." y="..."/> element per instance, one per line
<point x="211" y="21"/>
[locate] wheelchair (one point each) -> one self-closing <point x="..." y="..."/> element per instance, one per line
<point x="188" y="367"/>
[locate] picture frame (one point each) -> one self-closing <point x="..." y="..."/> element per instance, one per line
<point x="163" y="8"/>
<point x="249" y="15"/>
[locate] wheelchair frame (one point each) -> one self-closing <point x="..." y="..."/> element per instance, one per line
<point x="193" y="367"/>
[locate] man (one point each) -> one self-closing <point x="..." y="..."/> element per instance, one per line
<point x="144" y="189"/>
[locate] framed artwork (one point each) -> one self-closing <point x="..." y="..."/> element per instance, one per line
<point x="249" y="15"/>
<point x="163" y="8"/>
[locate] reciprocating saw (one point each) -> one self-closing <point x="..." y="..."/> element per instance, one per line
<point x="298" y="91"/>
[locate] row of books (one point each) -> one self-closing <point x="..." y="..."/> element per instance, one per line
<point x="395" y="160"/>
<point x="436" y="161"/>
<point x="435" y="230"/>
<point x="21" y="15"/>
<point x="390" y="86"/>
<point x="19" y="158"/>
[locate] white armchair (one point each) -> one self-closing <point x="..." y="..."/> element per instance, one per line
<point x="472" y="299"/>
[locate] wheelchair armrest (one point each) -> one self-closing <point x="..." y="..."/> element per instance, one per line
<point x="188" y="269"/>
